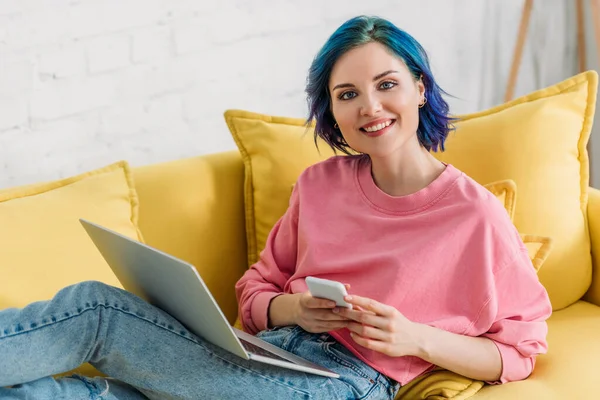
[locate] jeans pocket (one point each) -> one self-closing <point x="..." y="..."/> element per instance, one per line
<point x="338" y="353"/>
<point x="276" y="335"/>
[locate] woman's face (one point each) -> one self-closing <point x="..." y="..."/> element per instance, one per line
<point x="375" y="100"/>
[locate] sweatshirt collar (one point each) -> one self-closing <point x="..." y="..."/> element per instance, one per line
<point x="408" y="204"/>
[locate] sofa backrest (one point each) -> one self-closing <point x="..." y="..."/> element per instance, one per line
<point x="193" y="209"/>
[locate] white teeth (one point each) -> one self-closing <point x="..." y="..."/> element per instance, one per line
<point x="378" y="127"/>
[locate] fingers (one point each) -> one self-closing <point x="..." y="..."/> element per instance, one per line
<point x="316" y="325"/>
<point x="332" y="326"/>
<point x="371" y="305"/>
<point x="309" y="301"/>
<point x="365" y="318"/>
<point x="357" y="308"/>
<point x="324" y="328"/>
<point x="327" y="315"/>
<point x="368" y="332"/>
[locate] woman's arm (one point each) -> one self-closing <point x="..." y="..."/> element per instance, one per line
<point x="280" y="310"/>
<point x="473" y="357"/>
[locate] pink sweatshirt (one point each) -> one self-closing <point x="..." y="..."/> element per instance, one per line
<point x="447" y="256"/>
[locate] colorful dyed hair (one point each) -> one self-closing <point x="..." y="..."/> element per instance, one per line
<point x="434" y="120"/>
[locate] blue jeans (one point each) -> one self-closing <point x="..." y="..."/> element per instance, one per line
<point x="149" y="355"/>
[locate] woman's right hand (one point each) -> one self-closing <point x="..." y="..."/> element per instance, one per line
<point x="315" y="315"/>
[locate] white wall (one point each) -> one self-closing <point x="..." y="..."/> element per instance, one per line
<point x="592" y="63"/>
<point x="84" y="83"/>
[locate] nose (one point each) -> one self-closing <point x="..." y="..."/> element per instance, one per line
<point x="370" y="106"/>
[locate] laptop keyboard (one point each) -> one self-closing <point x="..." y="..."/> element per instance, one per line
<point x="259" y="351"/>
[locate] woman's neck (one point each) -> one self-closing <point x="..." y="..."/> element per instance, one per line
<point x="406" y="172"/>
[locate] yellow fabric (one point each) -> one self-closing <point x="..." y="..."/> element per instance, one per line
<point x="593" y="212"/>
<point x="44" y="246"/>
<point x="538" y="140"/>
<point x="437" y="385"/>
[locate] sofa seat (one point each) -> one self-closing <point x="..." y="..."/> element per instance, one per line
<point x="572" y="362"/>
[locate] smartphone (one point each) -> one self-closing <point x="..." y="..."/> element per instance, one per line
<point x="328" y="289"/>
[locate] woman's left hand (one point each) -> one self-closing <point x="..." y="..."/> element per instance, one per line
<point x="380" y="327"/>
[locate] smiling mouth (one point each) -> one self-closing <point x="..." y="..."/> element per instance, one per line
<point x="379" y="127"/>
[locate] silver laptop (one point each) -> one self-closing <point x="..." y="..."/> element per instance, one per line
<point x="176" y="287"/>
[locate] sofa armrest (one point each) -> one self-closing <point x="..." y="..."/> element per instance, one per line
<point x="593" y="214"/>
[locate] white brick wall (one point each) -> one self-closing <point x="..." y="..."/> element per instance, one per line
<point x="150" y="44"/>
<point x="108" y="53"/>
<point x="58" y="62"/>
<point x="84" y="83"/>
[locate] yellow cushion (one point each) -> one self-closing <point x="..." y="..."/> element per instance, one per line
<point x="538" y="141"/>
<point x="44" y="246"/>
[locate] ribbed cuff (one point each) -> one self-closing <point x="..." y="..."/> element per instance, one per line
<point x="515" y="367"/>
<point x="260" y="309"/>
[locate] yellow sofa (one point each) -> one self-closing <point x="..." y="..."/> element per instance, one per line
<point x="215" y="210"/>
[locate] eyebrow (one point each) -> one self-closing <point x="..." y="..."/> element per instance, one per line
<point x="378" y="76"/>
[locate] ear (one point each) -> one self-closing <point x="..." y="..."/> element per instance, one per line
<point x="421" y="88"/>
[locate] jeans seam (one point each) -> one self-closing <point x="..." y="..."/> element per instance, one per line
<point x="67" y="316"/>
<point x="371" y="390"/>
<point x="96" y="392"/>
<point x="290" y="338"/>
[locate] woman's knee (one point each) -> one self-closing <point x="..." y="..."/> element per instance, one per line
<point x="92" y="290"/>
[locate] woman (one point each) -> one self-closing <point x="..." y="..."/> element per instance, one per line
<point x="437" y="272"/>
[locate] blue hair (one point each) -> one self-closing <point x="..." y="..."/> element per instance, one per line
<point x="434" y="120"/>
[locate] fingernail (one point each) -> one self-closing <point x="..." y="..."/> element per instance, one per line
<point x="336" y="310"/>
<point x="348" y="297"/>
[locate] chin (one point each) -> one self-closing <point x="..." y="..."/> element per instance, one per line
<point x="381" y="153"/>
<point x="381" y="150"/>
